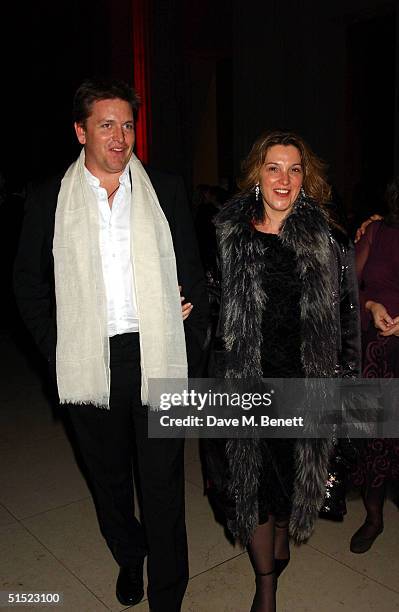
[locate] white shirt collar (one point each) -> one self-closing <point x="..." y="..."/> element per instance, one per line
<point x="95" y="182"/>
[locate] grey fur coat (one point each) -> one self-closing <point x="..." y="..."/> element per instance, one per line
<point x="330" y="346"/>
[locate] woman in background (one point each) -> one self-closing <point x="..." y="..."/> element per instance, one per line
<point x="377" y="264"/>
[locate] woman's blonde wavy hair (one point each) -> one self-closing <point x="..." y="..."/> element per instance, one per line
<point x="314" y="181"/>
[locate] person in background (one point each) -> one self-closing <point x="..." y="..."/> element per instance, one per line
<point x="212" y="200"/>
<point x="207" y="201"/>
<point x="101" y="255"/>
<point x="361" y="230"/>
<point x="377" y="264"/>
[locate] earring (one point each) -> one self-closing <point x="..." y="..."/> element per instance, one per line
<point x="257" y="191"/>
<point x="303" y="194"/>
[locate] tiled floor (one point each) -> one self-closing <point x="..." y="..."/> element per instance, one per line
<point x="49" y="539"/>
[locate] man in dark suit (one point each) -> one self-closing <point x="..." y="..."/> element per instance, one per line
<point x="96" y="279"/>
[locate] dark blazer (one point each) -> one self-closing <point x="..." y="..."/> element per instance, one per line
<point x="34" y="265"/>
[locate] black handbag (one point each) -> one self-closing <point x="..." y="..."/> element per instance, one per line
<point x="344" y="458"/>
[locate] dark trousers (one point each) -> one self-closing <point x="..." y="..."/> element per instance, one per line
<point x="106" y="440"/>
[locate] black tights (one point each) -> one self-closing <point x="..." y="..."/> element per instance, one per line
<point x="373" y="498"/>
<point x="281" y="545"/>
<point x="268" y="548"/>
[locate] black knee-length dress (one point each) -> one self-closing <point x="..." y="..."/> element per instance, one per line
<point x="281" y="358"/>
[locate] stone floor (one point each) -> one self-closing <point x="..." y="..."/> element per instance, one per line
<point x="49" y="539"/>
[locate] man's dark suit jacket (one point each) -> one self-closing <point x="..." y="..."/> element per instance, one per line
<point x="34" y="265"/>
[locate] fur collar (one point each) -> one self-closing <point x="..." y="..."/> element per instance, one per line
<point x="306" y="232"/>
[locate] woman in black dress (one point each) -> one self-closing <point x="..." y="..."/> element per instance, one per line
<point x="289" y="309"/>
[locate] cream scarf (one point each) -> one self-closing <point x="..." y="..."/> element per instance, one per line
<point x="83" y="373"/>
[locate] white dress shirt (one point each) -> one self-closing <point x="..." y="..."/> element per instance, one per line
<point x="115" y="255"/>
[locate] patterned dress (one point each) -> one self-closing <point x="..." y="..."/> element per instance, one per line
<point x="377" y="259"/>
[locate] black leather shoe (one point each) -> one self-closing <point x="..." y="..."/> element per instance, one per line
<point x="129" y="586"/>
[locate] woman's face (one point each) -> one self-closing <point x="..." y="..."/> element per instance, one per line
<point x="281" y="178"/>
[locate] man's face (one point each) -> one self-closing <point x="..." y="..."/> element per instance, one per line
<point x="107" y="136"/>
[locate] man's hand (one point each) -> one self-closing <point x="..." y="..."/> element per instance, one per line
<point x="382" y="320"/>
<point x="185" y="308"/>
<point x="360" y="231"/>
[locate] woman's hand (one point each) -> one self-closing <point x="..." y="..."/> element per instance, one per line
<point x="185" y="308"/>
<point x="393" y="330"/>
<point x="360" y="231"/>
<point x="382" y="320"/>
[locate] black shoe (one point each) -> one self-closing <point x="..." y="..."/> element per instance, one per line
<point x="360" y="542"/>
<point x="129" y="586"/>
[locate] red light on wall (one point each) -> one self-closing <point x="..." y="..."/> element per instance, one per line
<point x="140" y="13"/>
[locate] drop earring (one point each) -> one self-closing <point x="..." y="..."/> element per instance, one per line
<point x="303" y="194"/>
<point x="257" y="191"/>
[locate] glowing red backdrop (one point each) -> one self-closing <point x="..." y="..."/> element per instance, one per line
<point x="140" y="14"/>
